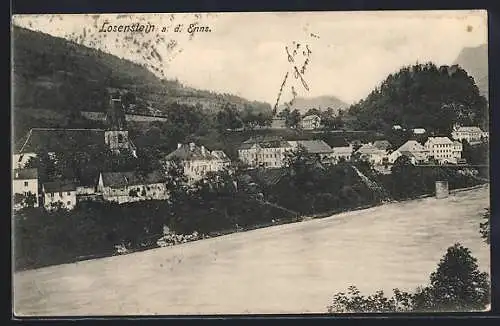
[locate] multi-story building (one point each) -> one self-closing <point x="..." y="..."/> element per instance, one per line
<point x="264" y="152"/>
<point x="124" y="187"/>
<point x="197" y="161"/>
<point x="443" y="150"/>
<point x="61" y="193"/>
<point x="310" y="122"/>
<point x="470" y="134"/>
<point x="24" y="184"/>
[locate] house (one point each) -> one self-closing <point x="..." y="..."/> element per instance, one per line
<point x="24" y="183"/>
<point x="342" y="153"/>
<point x="372" y="154"/>
<point x="418" y="131"/>
<point x="314" y="147"/>
<point x="59" y="192"/>
<point x="470" y="134"/>
<point x="125" y="187"/>
<point x="310" y="122"/>
<point x="382" y="144"/>
<point x="443" y="150"/>
<point x="264" y="151"/>
<point x="197" y="161"/>
<point x="412" y="149"/>
<point x="397" y="127"/>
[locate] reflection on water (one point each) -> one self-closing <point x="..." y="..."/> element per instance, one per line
<point x="284" y="269"/>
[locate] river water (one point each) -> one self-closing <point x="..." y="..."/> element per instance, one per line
<point x="294" y="268"/>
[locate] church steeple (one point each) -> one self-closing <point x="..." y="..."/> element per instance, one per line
<point x="116" y="114"/>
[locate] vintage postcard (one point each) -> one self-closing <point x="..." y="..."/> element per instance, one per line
<point x="250" y="163"/>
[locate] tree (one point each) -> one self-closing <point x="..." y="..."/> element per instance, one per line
<point x="294" y="119"/>
<point x="485" y="226"/>
<point x="422" y="95"/>
<point x="456" y="285"/>
<point x="228" y="118"/>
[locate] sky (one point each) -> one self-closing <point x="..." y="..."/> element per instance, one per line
<point x="244" y="53"/>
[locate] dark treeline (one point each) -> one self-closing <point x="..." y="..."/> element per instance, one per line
<point x="422" y="96"/>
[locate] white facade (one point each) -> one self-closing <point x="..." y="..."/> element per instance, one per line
<point x="310" y="122"/>
<point x="342" y="153"/>
<point x="66" y="197"/>
<point x="372" y="154"/>
<point x="269" y="154"/>
<point x="470" y="134"/>
<point x="25" y="182"/>
<point x="197" y="161"/>
<point x="443" y="149"/>
<point x="126" y="187"/>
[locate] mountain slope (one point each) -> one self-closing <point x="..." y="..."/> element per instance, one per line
<point x="54" y="78"/>
<point x="320" y="102"/>
<point x="475" y="61"/>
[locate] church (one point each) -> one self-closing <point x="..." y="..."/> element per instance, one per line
<point x="52" y="140"/>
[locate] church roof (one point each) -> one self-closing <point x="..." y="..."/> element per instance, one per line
<point x="57" y="140"/>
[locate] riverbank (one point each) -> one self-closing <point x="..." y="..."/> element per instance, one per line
<point x="304" y="218"/>
<point x="293" y="268"/>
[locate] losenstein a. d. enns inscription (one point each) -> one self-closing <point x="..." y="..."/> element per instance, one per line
<point x="250" y="163"/>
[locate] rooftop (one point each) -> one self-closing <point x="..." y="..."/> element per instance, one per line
<point x="382" y="144"/>
<point x="56" y="140"/>
<point x="24" y="174"/>
<point x="265" y="142"/>
<point x="191" y="151"/>
<point x="311" y="117"/>
<point x="312" y="146"/>
<point x="440" y="140"/>
<point x="131" y="178"/>
<point x="411" y="146"/>
<point x="59" y="186"/>
<point x="469" y="129"/>
<point x="369" y="149"/>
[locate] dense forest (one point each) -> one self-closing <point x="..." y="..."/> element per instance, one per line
<point x="422" y="96"/>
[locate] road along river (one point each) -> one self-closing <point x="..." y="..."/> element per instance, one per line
<point x="293" y="268"/>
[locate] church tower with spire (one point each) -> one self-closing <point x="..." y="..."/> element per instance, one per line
<point x="116" y="135"/>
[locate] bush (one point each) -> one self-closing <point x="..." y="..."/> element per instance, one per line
<point x="456" y="285"/>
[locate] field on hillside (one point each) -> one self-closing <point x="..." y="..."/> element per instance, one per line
<point x="292" y="268"/>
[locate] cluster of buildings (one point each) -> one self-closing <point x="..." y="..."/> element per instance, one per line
<point x="195" y="160"/>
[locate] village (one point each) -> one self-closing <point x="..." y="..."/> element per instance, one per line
<point x="259" y="152"/>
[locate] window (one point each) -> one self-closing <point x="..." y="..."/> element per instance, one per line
<point x="120" y="138"/>
<point x="25" y="183"/>
<point x="68" y="193"/>
<point x="60" y="194"/>
<point x="68" y="203"/>
<point x="52" y="195"/>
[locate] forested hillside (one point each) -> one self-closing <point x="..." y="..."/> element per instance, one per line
<point x="54" y="79"/>
<point x="422" y="95"/>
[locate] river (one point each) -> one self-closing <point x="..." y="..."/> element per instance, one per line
<point x="293" y="268"/>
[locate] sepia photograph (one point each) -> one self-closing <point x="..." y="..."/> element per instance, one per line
<point x="250" y="163"/>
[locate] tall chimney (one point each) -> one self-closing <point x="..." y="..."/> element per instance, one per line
<point x="203" y="150"/>
<point x="179" y="145"/>
<point x="191" y="146"/>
